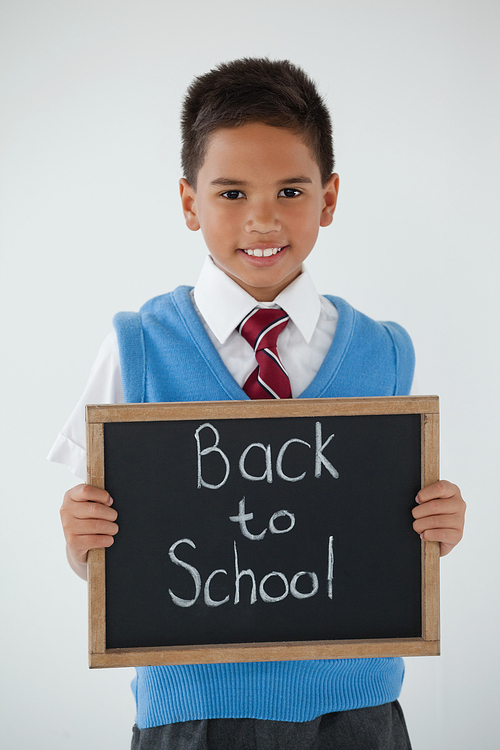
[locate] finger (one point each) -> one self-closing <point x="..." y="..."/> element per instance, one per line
<point x="97" y="541"/>
<point x="79" y="550"/>
<point x="448" y="537"/>
<point x="442" y="506"/>
<point x="441" y="489"/>
<point x="89" y="510"/>
<point x="87" y="518"/>
<point x="438" y="522"/>
<point x="85" y="493"/>
<point x="76" y="527"/>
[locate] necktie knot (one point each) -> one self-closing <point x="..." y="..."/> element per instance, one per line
<point x="261" y="329"/>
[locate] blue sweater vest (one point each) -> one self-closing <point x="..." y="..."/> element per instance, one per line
<point x="166" y="355"/>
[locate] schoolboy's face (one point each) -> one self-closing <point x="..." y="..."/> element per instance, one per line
<point x="259" y="203"/>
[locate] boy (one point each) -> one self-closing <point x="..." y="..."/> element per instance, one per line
<point x="259" y="182"/>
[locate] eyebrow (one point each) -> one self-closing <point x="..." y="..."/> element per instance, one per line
<point x="228" y="182"/>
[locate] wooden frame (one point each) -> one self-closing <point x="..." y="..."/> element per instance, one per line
<point x="426" y="645"/>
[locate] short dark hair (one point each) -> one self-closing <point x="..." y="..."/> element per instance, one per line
<point x="273" y="92"/>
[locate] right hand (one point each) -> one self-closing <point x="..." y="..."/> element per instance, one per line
<point x="88" y="522"/>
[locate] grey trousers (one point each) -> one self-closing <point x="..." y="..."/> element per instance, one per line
<point x="376" y="728"/>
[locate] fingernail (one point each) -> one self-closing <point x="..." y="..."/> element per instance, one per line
<point x="417" y="500"/>
<point x="111" y="501"/>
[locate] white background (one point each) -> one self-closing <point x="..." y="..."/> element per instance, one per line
<point x="91" y="224"/>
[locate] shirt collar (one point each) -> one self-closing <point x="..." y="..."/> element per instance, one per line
<point x="224" y="304"/>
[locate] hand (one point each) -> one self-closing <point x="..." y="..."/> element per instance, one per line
<point x="88" y="522"/>
<point x="440" y="515"/>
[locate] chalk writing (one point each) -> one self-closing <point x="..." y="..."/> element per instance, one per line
<point x="210" y="449"/>
<point x="288" y="588"/>
<point x="320" y="460"/>
<point x="303" y="584"/>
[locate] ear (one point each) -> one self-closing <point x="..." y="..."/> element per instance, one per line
<point x="188" y="200"/>
<point x="330" y="195"/>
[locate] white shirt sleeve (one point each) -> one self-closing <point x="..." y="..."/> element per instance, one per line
<point x="104" y="386"/>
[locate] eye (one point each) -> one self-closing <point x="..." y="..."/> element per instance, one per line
<point x="289" y="193"/>
<point x="232" y="195"/>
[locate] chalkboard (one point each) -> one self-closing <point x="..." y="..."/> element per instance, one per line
<point x="263" y="530"/>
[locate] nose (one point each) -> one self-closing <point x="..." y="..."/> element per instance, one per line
<point x="263" y="217"/>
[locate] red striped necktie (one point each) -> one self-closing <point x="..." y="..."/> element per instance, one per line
<point x="261" y="329"/>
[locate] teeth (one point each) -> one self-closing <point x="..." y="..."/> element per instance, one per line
<point x="263" y="253"/>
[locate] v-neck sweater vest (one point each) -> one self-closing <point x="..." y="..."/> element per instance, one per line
<point x="166" y="355"/>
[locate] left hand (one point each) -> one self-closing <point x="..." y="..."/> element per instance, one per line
<point x="440" y="515"/>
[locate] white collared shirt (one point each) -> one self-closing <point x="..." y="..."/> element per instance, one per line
<point x="221" y="305"/>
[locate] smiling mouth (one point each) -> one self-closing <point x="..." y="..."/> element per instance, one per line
<point x="263" y="252"/>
